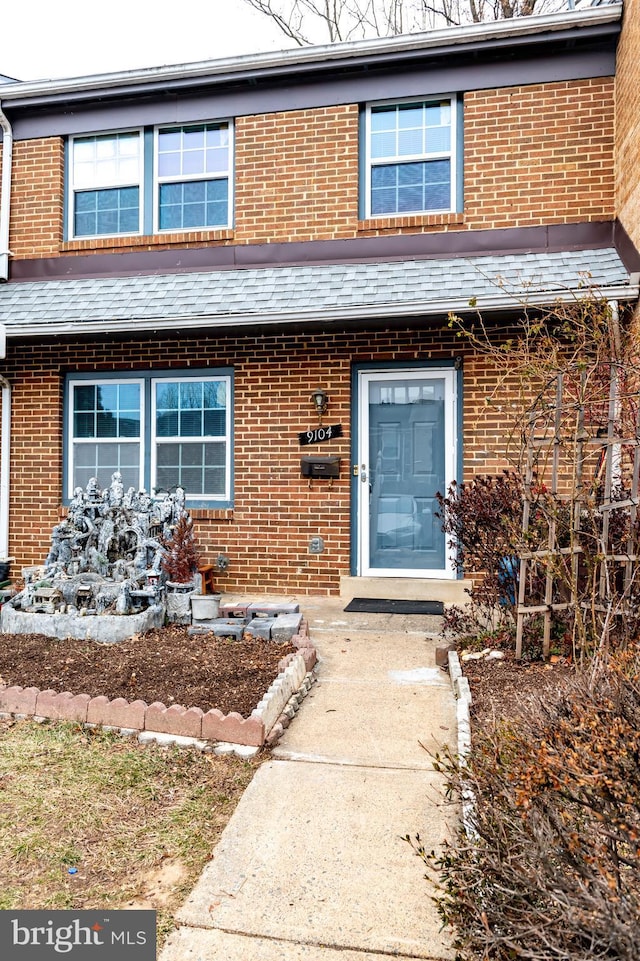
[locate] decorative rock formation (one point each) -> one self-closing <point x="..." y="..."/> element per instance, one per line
<point x="106" y="555"/>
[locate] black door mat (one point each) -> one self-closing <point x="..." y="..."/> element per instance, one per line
<point x="381" y="605"/>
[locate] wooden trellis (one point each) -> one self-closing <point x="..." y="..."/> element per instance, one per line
<point x="548" y="433"/>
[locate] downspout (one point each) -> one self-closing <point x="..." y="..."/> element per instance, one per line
<point x="5" y="195"/>
<point x="5" y="427"/>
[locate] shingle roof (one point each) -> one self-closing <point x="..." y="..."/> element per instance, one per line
<point x="310" y="292"/>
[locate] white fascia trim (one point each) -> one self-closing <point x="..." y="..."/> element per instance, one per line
<point x="390" y="311"/>
<point x="444" y="37"/>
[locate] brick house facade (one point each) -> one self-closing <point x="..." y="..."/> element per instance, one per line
<point x="193" y="251"/>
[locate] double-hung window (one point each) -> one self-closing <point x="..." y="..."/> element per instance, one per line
<point x="193" y="166"/>
<point x="105" y="184"/>
<point x="105" y="432"/>
<point x="159" y="432"/>
<point x="151" y="180"/>
<point x="411" y="157"/>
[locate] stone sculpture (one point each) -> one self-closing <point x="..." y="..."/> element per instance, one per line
<point x="106" y="555"/>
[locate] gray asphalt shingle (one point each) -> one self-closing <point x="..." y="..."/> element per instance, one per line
<point x="225" y="294"/>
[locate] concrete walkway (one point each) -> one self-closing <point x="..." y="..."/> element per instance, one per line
<point x="312" y="864"/>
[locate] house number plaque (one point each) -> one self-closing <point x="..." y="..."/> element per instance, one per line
<point x="319" y="434"/>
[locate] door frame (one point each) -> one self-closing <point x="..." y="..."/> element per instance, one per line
<point x="453" y="454"/>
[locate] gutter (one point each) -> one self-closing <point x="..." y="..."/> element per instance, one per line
<point x="5" y="194"/>
<point x="350" y="52"/>
<point x="324" y="315"/>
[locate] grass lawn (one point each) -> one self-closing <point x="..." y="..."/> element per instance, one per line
<point x="91" y="819"/>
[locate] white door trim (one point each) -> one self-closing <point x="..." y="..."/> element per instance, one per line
<point x="363" y="497"/>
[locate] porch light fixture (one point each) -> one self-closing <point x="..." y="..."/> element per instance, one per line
<point x="320" y="401"/>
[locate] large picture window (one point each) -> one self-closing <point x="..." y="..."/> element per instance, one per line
<point x="410" y="157"/>
<point x="160" y="432"/>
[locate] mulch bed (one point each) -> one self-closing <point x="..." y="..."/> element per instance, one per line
<point x="164" y="665"/>
<point x="500" y="688"/>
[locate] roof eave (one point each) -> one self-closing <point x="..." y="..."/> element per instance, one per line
<point x="388" y="311"/>
<point x="28" y="93"/>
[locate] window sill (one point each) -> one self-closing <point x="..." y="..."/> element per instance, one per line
<point x="397" y="221"/>
<point x="148" y="240"/>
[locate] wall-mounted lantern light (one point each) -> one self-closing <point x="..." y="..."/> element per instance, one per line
<point x="320" y="402"/>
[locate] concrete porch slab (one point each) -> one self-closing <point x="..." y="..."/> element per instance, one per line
<point x="450" y="591"/>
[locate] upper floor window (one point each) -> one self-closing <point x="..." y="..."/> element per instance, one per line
<point x="193" y="176"/>
<point x="411" y="157"/>
<point x="110" y="180"/>
<point x="106" y="177"/>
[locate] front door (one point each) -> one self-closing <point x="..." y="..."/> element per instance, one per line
<point x="407" y="454"/>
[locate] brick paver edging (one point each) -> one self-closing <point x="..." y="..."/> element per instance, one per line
<point x="176" y="721"/>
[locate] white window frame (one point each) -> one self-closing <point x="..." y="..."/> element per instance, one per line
<point x="225" y="439"/>
<point x="72" y="440"/>
<point x="184" y="178"/>
<point x="75" y="189"/>
<point x="452" y="154"/>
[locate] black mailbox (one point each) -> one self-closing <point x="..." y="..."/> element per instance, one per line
<point x="320" y="466"/>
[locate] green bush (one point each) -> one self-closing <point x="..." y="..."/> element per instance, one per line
<point x="549" y="867"/>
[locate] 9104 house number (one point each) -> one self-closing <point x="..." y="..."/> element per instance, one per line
<point x="320" y="434"/>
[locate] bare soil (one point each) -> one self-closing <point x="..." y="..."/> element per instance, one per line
<point x="501" y="687"/>
<point x="164" y="665"/>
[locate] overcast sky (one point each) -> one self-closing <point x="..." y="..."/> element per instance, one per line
<point x="70" y="38"/>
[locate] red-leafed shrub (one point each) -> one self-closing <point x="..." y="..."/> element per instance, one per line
<point x="549" y="866"/>
<point x="181" y="557"/>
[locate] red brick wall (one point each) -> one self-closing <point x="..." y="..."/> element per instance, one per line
<point x="628" y="122"/>
<point x="536" y="154"/>
<point x="276" y="513"/>
<point x="539" y="153"/>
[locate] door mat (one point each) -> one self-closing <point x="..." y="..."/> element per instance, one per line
<point x="381" y="605"/>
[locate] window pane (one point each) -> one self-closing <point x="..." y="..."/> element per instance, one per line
<point x="109" y="160"/>
<point x="102" y="459"/>
<point x="438" y="139"/>
<point x="410" y="142"/>
<point x="169" y="140"/>
<point x="196" y="203"/>
<point x="193" y="162"/>
<point x="191" y="423"/>
<point x="214" y="423"/>
<point x="167" y="423"/>
<point x="107" y="425"/>
<point x="214" y="393"/>
<point x="214" y="482"/>
<point x="383" y="145"/>
<point x="169" y="165"/>
<point x="107" y="212"/>
<point x="84" y="425"/>
<point x="84" y="398"/>
<point x="191" y="395"/>
<point x="416" y="187"/>
<point x="107" y="410"/>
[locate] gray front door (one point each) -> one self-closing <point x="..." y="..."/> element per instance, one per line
<point x="406" y="456"/>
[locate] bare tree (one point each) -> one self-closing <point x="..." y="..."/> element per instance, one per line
<point x="321" y="21"/>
